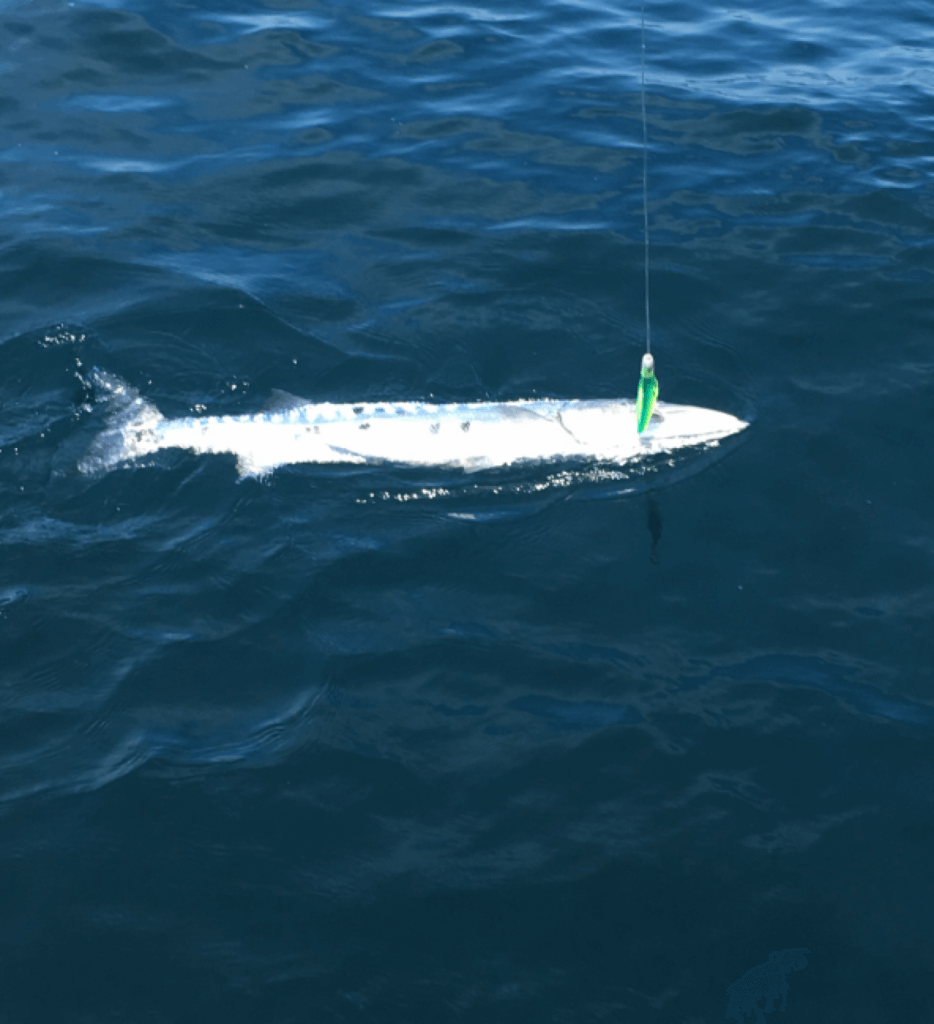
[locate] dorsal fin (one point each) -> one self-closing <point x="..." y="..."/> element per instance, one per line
<point x="282" y="401"/>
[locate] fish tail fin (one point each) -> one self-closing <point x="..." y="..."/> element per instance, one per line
<point x="131" y="426"/>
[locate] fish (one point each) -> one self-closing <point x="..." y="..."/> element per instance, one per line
<point x="469" y="436"/>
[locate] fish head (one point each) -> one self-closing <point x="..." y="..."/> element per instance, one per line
<point x="612" y="425"/>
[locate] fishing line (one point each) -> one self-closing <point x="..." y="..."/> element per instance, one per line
<point x="645" y="194"/>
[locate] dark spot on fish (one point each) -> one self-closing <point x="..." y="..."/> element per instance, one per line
<point x="379" y="409"/>
<point x="316" y="430"/>
<point x="357" y="409"/>
<point x="435" y="427"/>
<point x="400" y="412"/>
<point x="465" y="426"/>
<point x="364" y="426"/>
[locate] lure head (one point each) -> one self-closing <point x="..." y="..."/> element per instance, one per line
<point x="647" y="393"/>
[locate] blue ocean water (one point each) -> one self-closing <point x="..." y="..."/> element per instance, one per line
<point x="361" y="745"/>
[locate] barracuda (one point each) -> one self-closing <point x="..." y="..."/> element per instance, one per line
<point x="470" y="436"/>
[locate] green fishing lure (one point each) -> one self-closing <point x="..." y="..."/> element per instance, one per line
<point x="648" y="393"/>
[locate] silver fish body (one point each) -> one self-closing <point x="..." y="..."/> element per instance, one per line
<point x="470" y="436"/>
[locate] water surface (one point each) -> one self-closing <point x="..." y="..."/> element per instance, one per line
<point x="360" y="745"/>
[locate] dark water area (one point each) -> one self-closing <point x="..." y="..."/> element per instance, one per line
<point x="360" y="745"/>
